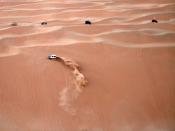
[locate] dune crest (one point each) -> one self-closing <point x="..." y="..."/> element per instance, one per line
<point x="115" y="74"/>
<point x="6" y="51"/>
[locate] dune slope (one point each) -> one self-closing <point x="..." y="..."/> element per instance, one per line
<point x="116" y="74"/>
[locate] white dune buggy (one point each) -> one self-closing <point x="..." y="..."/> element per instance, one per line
<point x="52" y="57"/>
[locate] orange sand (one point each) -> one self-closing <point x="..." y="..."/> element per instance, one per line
<point x="128" y="61"/>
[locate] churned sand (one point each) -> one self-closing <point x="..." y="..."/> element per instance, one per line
<point x="125" y="62"/>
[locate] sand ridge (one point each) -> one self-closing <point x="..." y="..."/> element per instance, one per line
<point x="127" y="60"/>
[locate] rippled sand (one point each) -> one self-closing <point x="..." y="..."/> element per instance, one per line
<point x="128" y="61"/>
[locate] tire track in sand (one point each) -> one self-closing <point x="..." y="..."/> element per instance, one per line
<point x="74" y="86"/>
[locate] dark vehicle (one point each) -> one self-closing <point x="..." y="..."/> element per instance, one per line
<point x="43" y="23"/>
<point x="154" y="21"/>
<point x="87" y="22"/>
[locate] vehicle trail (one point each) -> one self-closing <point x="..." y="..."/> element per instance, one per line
<point x="73" y="87"/>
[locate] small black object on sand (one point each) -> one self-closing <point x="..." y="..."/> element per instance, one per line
<point x="43" y="23"/>
<point x="14" y="24"/>
<point x="88" y="22"/>
<point x="154" y="21"/>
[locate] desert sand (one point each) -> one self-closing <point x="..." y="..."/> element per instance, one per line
<point x="118" y="73"/>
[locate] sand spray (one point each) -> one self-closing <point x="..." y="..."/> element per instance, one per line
<point x="73" y="87"/>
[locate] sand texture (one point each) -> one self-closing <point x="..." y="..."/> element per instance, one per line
<point x="117" y="74"/>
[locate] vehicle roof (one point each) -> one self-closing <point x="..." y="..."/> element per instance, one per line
<point x="52" y="55"/>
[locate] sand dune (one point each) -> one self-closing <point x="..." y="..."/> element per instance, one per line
<point x="127" y="60"/>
